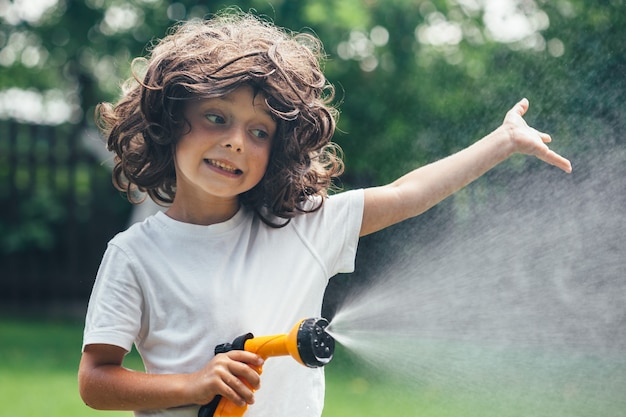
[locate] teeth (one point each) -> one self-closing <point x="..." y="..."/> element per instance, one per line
<point x="223" y="166"/>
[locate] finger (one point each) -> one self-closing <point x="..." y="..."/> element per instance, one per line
<point x="247" y="374"/>
<point x="231" y="392"/>
<point x="557" y="160"/>
<point x="243" y="356"/>
<point x="545" y="137"/>
<point x="521" y="107"/>
<point x="235" y="388"/>
<point x="238" y="392"/>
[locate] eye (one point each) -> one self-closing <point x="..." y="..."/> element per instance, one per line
<point x="215" y="118"/>
<point x="260" y="133"/>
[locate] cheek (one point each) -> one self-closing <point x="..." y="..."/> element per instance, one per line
<point x="182" y="155"/>
<point x="262" y="157"/>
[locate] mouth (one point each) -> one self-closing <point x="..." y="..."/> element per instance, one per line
<point x="222" y="166"/>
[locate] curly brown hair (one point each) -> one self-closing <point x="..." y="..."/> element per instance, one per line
<point x="211" y="58"/>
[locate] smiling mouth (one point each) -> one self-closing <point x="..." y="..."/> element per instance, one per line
<point x="224" y="167"/>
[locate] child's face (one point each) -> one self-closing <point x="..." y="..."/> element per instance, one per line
<point x="227" y="149"/>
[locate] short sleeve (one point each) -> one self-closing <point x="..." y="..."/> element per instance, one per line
<point x="346" y="219"/>
<point x="333" y="231"/>
<point x="114" y="311"/>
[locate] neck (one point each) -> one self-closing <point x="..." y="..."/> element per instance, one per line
<point x="203" y="213"/>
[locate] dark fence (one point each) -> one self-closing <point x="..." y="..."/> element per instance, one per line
<point x="58" y="210"/>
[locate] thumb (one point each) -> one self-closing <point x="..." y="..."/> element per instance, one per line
<point x="521" y="107"/>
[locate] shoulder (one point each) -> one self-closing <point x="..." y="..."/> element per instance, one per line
<point x="135" y="233"/>
<point x="340" y="215"/>
<point x="143" y="239"/>
<point x="350" y="200"/>
<point x="336" y="208"/>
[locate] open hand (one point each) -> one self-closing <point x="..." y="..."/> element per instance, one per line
<point x="530" y="141"/>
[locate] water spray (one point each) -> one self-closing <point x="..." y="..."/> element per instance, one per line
<point x="307" y="342"/>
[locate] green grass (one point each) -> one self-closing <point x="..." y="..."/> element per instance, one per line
<point x="38" y="365"/>
<point x="39" y="360"/>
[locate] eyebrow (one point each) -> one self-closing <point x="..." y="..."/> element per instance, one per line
<point x="264" y="107"/>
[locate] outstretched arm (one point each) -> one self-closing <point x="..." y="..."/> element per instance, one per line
<point x="421" y="189"/>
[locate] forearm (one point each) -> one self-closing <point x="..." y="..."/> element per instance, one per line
<point x="112" y="387"/>
<point x="423" y="188"/>
<point x="104" y="384"/>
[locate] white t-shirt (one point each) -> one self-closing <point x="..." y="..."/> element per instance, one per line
<point x="176" y="290"/>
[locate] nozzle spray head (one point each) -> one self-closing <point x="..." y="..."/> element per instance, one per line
<point x="315" y="346"/>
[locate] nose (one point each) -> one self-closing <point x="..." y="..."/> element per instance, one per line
<point x="235" y="140"/>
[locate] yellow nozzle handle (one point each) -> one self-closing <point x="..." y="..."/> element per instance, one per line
<point x="267" y="346"/>
<point x="306" y="342"/>
<point x="276" y="345"/>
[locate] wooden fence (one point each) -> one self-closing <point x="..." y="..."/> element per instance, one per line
<point x="58" y="210"/>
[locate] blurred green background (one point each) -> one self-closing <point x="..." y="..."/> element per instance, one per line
<point x="416" y="80"/>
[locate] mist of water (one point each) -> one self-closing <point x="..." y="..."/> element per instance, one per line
<point x="521" y="300"/>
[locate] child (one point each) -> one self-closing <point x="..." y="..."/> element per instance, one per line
<point x="230" y="128"/>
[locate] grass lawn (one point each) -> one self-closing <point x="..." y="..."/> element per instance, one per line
<point x="39" y="360"/>
<point x="38" y="364"/>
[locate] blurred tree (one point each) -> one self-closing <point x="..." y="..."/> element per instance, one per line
<point x="416" y="79"/>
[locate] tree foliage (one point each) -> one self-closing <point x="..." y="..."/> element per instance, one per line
<point x="416" y="80"/>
